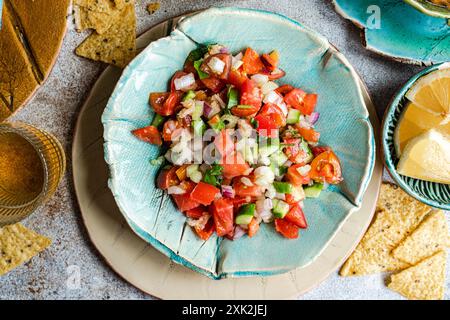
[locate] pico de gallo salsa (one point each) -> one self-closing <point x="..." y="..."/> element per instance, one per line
<point x="239" y="148"/>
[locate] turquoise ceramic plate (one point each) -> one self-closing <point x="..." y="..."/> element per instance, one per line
<point x="311" y="63"/>
<point x="403" y="33"/>
<point x="431" y="193"/>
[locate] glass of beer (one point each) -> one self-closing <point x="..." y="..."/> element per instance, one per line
<point x="32" y="164"/>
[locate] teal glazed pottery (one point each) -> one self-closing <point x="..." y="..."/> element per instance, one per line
<point x="395" y="29"/>
<point x="312" y="64"/>
<point x="429" y="8"/>
<point x="431" y="193"/>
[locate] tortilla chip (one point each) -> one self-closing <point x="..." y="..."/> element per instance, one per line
<point x="397" y="215"/>
<point x="99" y="21"/>
<point x="121" y="3"/>
<point x="105" y="6"/>
<point x="18" y="245"/>
<point x="117" y="45"/>
<point x="430" y="237"/>
<point x="424" y="281"/>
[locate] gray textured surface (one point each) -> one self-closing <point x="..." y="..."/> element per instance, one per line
<point x="55" y="108"/>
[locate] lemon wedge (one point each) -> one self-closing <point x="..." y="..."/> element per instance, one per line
<point x="427" y="157"/>
<point x="429" y="108"/>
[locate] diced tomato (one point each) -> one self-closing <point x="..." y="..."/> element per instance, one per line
<point x="234" y="165"/>
<point x="326" y="168"/>
<point x="165" y="103"/>
<point x="167" y="178"/>
<point x="236" y="78"/>
<point x="214" y="84"/>
<point x="172" y="102"/>
<point x="148" y="134"/>
<point x="289" y="199"/>
<point x="157" y="100"/>
<point x="285" y="88"/>
<point x="294" y="177"/>
<point x="286" y="228"/>
<point x="230" y="235"/>
<point x="296" y="216"/>
<point x="238" y="201"/>
<point x="292" y="148"/>
<point x="242" y="112"/>
<point x="253" y="228"/>
<point x="204" y="193"/>
<point x="309" y="134"/>
<point x="169" y="128"/>
<point x="276" y="74"/>
<point x="224" y="142"/>
<point x="196" y="213"/>
<point x="241" y="190"/>
<point x="184" y="202"/>
<point x="225" y="58"/>
<point x="222" y="210"/>
<point x="177" y="75"/>
<point x="252" y="63"/>
<point x="271" y="60"/>
<point x="295" y="98"/>
<point x="309" y="104"/>
<point x="319" y="149"/>
<point x="266" y="126"/>
<point x="250" y="94"/>
<point x="207" y="231"/>
<point x="275" y="113"/>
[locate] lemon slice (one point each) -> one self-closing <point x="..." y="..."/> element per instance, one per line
<point x="429" y="108"/>
<point x="427" y="157"/>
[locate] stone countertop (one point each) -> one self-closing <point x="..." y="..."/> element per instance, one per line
<point x="55" y="108"/>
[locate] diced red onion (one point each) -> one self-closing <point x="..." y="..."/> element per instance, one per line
<point x="238" y="233"/>
<point x="176" y="190"/>
<point x="266" y="216"/>
<point x="224" y="50"/>
<point x="313" y="117"/>
<point x="206" y="110"/>
<point x="227" y="191"/>
<point x="216" y="65"/>
<point x="260" y="79"/>
<point x="185" y="83"/>
<point x="246" y="181"/>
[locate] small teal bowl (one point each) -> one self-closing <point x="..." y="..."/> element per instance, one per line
<point x="434" y="194"/>
<point x="312" y="64"/>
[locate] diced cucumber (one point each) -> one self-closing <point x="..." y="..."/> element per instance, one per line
<point x="216" y="123"/>
<point x="308" y="153"/>
<point x="297" y="193"/>
<point x="201" y="74"/>
<point x="282" y="187"/>
<point x="268" y="146"/>
<point x="293" y="116"/>
<point x="278" y="158"/>
<point x="278" y="170"/>
<point x="280" y="208"/>
<point x="233" y="97"/>
<point x="196" y="176"/>
<point x="246" y="213"/>
<point x="199" y="127"/>
<point x="189" y="95"/>
<point x="198" y="110"/>
<point x="191" y="169"/>
<point x="314" y="190"/>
